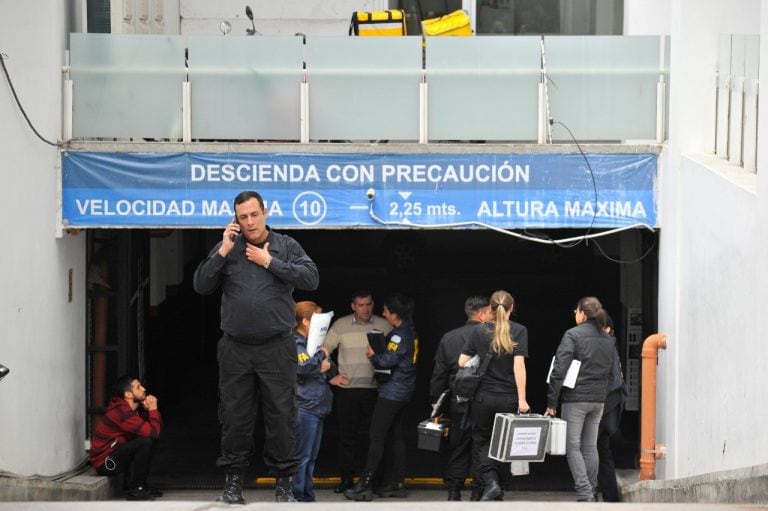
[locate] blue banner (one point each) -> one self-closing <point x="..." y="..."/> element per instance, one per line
<point x="331" y="190"/>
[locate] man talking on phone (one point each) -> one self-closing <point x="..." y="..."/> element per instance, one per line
<point x="257" y="270"/>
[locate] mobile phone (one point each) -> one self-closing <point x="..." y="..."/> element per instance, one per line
<point x="233" y="235"/>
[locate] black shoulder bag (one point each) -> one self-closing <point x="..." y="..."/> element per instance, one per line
<point x="468" y="378"/>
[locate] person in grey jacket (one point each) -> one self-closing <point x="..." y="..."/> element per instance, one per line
<point x="582" y="405"/>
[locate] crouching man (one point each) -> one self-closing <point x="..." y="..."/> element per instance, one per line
<point x="124" y="440"/>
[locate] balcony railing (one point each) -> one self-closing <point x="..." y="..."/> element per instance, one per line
<point x="736" y="99"/>
<point x="527" y="89"/>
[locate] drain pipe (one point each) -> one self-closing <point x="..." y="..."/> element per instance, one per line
<point x="649" y="450"/>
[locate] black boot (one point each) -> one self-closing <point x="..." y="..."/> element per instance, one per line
<point x="284" y="489"/>
<point x="233" y="488"/>
<point x="345" y="484"/>
<point x="454" y="493"/>
<point x="363" y="488"/>
<point x="393" y="489"/>
<point x="492" y="491"/>
<point x="476" y="492"/>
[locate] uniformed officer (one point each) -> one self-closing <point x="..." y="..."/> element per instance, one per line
<point x="257" y="270"/>
<point x="478" y="310"/>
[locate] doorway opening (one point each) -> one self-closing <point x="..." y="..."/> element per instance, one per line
<point x="145" y="318"/>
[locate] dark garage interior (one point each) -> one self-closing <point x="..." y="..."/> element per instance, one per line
<point x="172" y="344"/>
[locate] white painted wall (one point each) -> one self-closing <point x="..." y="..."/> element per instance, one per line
<point x="286" y="17"/>
<point x="42" y="334"/>
<point x="712" y="266"/>
<point x="646" y="17"/>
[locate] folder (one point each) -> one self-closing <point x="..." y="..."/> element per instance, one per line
<point x="377" y="341"/>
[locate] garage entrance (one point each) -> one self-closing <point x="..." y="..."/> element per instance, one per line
<point x="171" y="342"/>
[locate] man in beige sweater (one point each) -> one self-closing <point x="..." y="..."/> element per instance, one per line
<point x="354" y="402"/>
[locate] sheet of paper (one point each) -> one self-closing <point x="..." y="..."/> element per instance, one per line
<point x="525" y="441"/>
<point x="572" y="374"/>
<point x="551" y="366"/>
<point x="318" y="327"/>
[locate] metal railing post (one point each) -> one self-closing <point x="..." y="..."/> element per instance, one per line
<point x="67" y="102"/>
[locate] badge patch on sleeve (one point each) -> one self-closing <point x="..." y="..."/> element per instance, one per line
<point x="394" y="343"/>
<point x="303" y="357"/>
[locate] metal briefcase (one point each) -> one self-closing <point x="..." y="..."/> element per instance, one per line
<point x="519" y="437"/>
<point x="557" y="430"/>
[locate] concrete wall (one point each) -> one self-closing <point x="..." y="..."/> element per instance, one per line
<point x="42" y="333"/>
<point x="712" y="270"/>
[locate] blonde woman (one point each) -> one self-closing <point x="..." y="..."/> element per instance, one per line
<point x="502" y="388"/>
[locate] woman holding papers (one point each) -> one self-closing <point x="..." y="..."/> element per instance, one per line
<point x="502" y="387"/>
<point x="314" y="399"/>
<point x="579" y="378"/>
<point x="398" y="356"/>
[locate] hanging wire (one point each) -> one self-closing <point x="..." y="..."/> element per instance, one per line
<point x="3" y="57"/>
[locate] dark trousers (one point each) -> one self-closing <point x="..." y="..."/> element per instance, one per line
<point x="606" y="471"/>
<point x="484" y="409"/>
<point x="459" y="447"/>
<point x="252" y="375"/>
<point x="354" y="408"/>
<point x="386" y="434"/>
<point x="134" y="458"/>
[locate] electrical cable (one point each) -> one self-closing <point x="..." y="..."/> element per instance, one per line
<point x="591" y="174"/>
<point x="594" y="214"/>
<point x="3" y="56"/>
<point x="544" y="239"/>
<point x="474" y="223"/>
<point x="625" y="261"/>
<point x="79" y="468"/>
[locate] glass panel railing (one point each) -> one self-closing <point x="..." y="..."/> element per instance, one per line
<point x="245" y="87"/>
<point x="364" y="88"/>
<point x="480" y="88"/>
<point x="603" y="87"/>
<point x="483" y="88"/>
<point x="125" y="86"/>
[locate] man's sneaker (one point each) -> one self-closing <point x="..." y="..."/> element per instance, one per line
<point x="139" y="493"/>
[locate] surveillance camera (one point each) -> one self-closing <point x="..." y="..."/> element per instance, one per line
<point x="371" y="193"/>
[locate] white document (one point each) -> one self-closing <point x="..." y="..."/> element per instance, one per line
<point x="318" y="327"/>
<point x="572" y="374"/>
<point x="551" y="366"/>
<point x="525" y="442"/>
